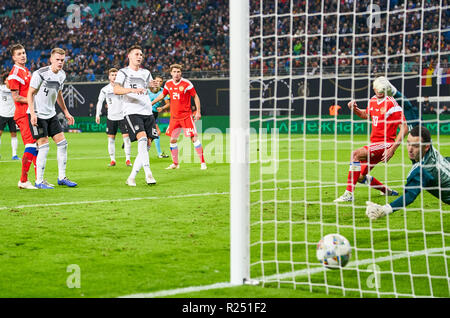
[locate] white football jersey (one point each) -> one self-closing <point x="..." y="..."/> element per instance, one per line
<point x="115" y="111"/>
<point x="7" y="107"/>
<point x="134" y="103"/>
<point x="48" y="85"/>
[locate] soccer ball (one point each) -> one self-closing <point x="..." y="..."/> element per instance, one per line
<point x="334" y="251"/>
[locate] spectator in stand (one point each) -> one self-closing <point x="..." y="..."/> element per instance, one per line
<point x="431" y="110"/>
<point x="198" y="30"/>
<point x="444" y="110"/>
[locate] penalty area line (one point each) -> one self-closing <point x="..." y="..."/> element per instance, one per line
<point x="114" y="200"/>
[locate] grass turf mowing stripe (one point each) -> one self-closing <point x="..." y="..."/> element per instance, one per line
<point x="276" y="277"/>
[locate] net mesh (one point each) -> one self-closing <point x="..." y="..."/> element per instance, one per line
<point x="308" y="59"/>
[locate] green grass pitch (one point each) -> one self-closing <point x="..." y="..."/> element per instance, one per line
<point x="175" y="234"/>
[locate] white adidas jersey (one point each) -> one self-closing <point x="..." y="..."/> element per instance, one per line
<point x="48" y="85"/>
<point x="134" y="103"/>
<point x="7" y="107"/>
<point x="115" y="111"/>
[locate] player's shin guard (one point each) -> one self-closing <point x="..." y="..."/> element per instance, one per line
<point x="174" y="152"/>
<point x="353" y="175"/>
<point x="61" y="156"/>
<point x="112" y="148"/>
<point x="29" y="157"/>
<point x="127" y="147"/>
<point x="199" y="149"/>
<point x="41" y="160"/>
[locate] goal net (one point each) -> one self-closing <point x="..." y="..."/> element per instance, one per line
<point x="307" y="60"/>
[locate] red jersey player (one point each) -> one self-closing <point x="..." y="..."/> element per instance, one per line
<point x="19" y="81"/>
<point x="386" y="117"/>
<point x="180" y="91"/>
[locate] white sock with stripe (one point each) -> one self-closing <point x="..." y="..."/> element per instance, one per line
<point x="112" y="148"/>
<point x="143" y="152"/>
<point x="61" y="156"/>
<point x="127" y="147"/>
<point x="14" y="144"/>
<point x="41" y="160"/>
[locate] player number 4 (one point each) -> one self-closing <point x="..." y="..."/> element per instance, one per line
<point x="46" y="91"/>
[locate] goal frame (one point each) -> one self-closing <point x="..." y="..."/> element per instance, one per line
<point x="240" y="142"/>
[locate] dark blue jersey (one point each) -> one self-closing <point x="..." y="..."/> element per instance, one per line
<point x="411" y="113"/>
<point x="432" y="173"/>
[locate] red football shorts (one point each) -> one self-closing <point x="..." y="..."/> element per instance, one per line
<point x="374" y="156"/>
<point x="25" y="131"/>
<point x="187" y="125"/>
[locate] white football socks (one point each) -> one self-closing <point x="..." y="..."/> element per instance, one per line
<point x="41" y="160"/>
<point x="14" y="144"/>
<point x="142" y="159"/>
<point x="112" y="148"/>
<point x="127" y="147"/>
<point x="61" y="156"/>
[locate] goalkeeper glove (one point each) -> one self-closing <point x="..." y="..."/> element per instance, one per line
<point x="375" y="211"/>
<point x="392" y="91"/>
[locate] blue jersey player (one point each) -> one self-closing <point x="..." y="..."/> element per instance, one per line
<point x="156" y="108"/>
<point x="430" y="171"/>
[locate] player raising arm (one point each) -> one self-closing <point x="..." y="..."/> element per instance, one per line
<point x="386" y="116"/>
<point x="114" y="120"/>
<point x="132" y="83"/>
<point x="430" y="171"/>
<point x="180" y="91"/>
<point x="45" y="89"/>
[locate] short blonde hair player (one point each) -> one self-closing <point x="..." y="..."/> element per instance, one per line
<point x="45" y="89"/>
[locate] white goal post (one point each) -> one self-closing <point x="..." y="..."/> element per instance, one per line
<point x="240" y="139"/>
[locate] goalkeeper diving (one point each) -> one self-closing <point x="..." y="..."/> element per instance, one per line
<point x="430" y="171"/>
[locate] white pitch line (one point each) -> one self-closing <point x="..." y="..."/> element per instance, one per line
<point x="177" y="291"/>
<point x="151" y="198"/>
<point x="304" y="272"/>
<point x="369" y="261"/>
<point x="113" y="200"/>
<point x="52" y="159"/>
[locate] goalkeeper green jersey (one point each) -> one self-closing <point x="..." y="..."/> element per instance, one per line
<point x="432" y="173"/>
<point x="411" y="113"/>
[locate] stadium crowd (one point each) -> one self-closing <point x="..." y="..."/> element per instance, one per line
<point x="352" y="40"/>
<point x="192" y="33"/>
<point x="195" y="33"/>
